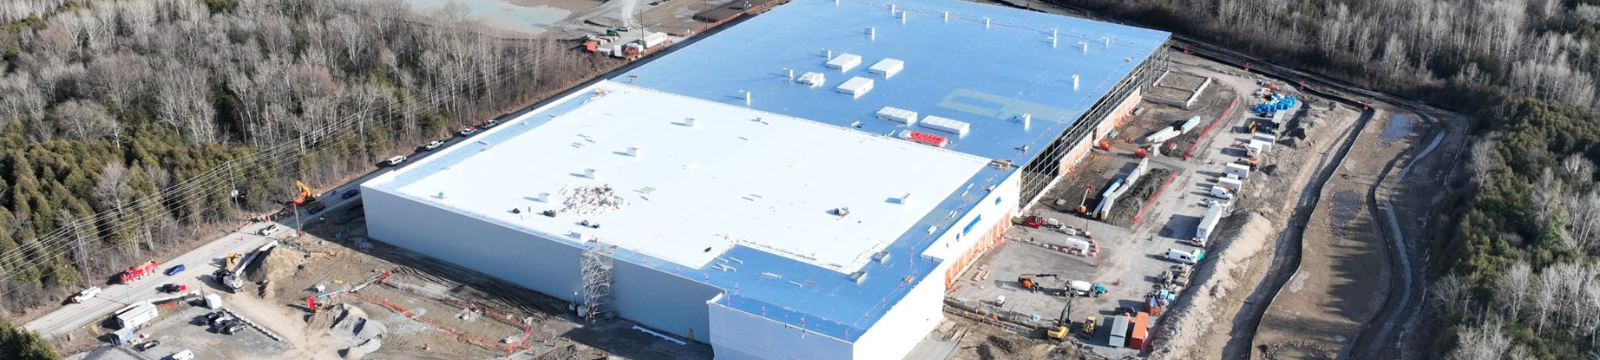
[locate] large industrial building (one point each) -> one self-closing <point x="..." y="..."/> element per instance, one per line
<point x="805" y="184"/>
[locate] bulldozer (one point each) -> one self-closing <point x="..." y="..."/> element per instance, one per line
<point x="1088" y="327"/>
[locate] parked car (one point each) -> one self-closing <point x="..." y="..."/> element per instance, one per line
<point x="491" y="123"/>
<point x="316" y="208"/>
<point x="396" y="160"/>
<point x="147" y="345"/>
<point x="350" y="193"/>
<point x="183" y="355"/>
<point x="174" y="270"/>
<point x="468" y="131"/>
<point x="173" y="288"/>
<point x="269" y="230"/>
<point x="433" y="145"/>
<point x="233" y="328"/>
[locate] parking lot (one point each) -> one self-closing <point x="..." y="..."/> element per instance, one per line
<point x="186" y="329"/>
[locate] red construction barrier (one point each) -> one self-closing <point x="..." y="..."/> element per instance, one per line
<point x="1163" y="188"/>
<point x="1214" y="123"/>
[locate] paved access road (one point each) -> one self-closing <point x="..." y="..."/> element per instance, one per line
<point x="200" y="262"/>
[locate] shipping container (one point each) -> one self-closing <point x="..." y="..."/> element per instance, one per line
<point x="1119" y="332"/>
<point x="1141" y="331"/>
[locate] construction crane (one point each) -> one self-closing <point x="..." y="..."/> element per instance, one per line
<point x="1060" y="330"/>
<point x="1083" y="203"/>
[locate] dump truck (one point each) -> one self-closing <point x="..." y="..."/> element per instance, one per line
<point x="139" y="271"/>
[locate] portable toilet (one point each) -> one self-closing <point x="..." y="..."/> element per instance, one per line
<point x="1119" y="332"/>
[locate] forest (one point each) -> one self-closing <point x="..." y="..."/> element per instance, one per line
<point x="1519" y="275"/>
<point x="1517" y="268"/>
<point x="1462" y="54"/>
<point x="129" y="127"/>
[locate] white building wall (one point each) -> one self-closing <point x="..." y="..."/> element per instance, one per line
<point x="652" y="298"/>
<point x="906" y="323"/>
<point x="545" y="266"/>
<point x="738" y="335"/>
<point x="995" y="207"/>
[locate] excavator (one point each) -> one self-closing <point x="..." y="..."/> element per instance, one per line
<point x="305" y="193"/>
<point x="1061" y="328"/>
<point x="231" y="260"/>
<point x="1027" y="281"/>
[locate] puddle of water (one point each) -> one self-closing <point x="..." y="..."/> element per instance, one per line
<point x="1345" y="206"/>
<point x="1399" y="126"/>
<point x="501" y="14"/>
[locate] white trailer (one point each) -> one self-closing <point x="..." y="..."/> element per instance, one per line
<point x="1236" y="170"/>
<point x="1208" y="224"/>
<point x="135" y="315"/>
<point x="1231" y="184"/>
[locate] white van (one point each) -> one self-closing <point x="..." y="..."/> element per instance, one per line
<point x="1187" y="257"/>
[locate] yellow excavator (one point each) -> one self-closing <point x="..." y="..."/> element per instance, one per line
<point x="1062" y="325"/>
<point x="230" y="260"/>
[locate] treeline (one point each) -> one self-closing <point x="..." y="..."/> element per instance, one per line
<point x="19" y="344"/>
<point x="1520" y="272"/>
<point x="1460" y="53"/>
<point x="126" y="125"/>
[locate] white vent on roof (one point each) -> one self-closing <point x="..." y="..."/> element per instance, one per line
<point x="544" y="197"/>
<point x="1074" y="82"/>
<point x="958" y="127"/>
<point x="591" y="174"/>
<point x="887" y="67"/>
<point x="872" y="33"/>
<point x="855" y="87"/>
<point x="1027" y="120"/>
<point x="844" y="62"/>
<point x="689" y="122"/>
<point x="898" y="115"/>
<point x="634" y="152"/>
<point x="813" y="79"/>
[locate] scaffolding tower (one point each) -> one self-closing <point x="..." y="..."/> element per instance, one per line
<point x="596" y="271"/>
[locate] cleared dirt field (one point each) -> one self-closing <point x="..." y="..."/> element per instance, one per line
<point x="1344" y="272"/>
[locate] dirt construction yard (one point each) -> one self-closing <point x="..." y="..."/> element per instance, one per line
<point x="1344" y="269"/>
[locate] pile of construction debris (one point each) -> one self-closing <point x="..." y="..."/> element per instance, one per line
<point x="351" y="325"/>
<point x="592" y="200"/>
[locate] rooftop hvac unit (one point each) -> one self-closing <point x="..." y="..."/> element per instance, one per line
<point x="958" y="127"/>
<point x="926" y="138"/>
<point x="887" y="67"/>
<point x="856" y="86"/>
<point x="898" y="115"/>
<point x="844" y="62"/>
<point x="813" y="79"/>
